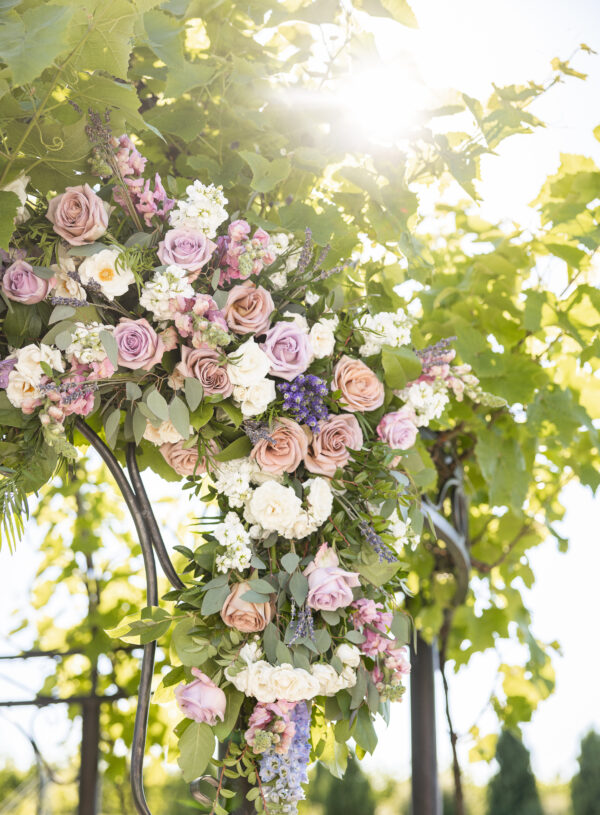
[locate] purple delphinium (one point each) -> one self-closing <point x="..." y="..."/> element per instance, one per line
<point x="6" y="366"/>
<point x="283" y="775"/>
<point x="304" y="398"/>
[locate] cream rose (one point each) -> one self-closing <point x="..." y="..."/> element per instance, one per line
<point x="259" y="682"/>
<point x="361" y="390"/>
<point x="330" y="682"/>
<point x="322" y="337"/>
<point x="293" y="684"/>
<point x="248" y="365"/>
<point x="29" y="361"/>
<point x="274" y="507"/>
<point x="22" y="393"/>
<point x="255" y="399"/>
<point x="285" y="453"/>
<point x="101" y="268"/>
<point x="320" y="499"/>
<point x="349" y="654"/>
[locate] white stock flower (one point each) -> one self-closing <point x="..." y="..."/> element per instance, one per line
<point x="402" y="531"/>
<point x="427" y="399"/>
<point x="248" y="365"/>
<point x="101" y="268"/>
<point x="322" y="337"/>
<point x="278" y="279"/>
<point x="165" y="285"/>
<point x="233" y="536"/>
<point x="274" y="507"/>
<point x="86" y="345"/>
<point x="251" y="652"/>
<point x="349" y="654"/>
<point x="29" y="361"/>
<point x="255" y="399"/>
<point x="165" y="432"/>
<point x="233" y="480"/>
<point x="385" y="328"/>
<point x="203" y="209"/>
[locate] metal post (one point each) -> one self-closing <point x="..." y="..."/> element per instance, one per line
<point x="426" y="793"/>
<point x="88" y="771"/>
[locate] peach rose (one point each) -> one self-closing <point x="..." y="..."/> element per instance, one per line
<point x="248" y="309"/>
<point x="285" y="453"/>
<point x="361" y="389"/>
<point x="78" y="215"/>
<point x="204" y="364"/>
<point x="242" y="615"/>
<point x="183" y="461"/>
<point x="330" y="447"/>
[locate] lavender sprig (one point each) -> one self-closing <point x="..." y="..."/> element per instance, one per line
<point x="258" y="431"/>
<point x="384" y="553"/>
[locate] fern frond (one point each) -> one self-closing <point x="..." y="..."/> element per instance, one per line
<point x="14" y="509"/>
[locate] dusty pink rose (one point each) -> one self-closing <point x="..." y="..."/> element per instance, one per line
<point x="330" y="447"/>
<point x="201" y="700"/>
<point x="78" y="215"/>
<point x="183" y="461"/>
<point x="397" y="660"/>
<point x="329" y="587"/>
<point x="138" y="343"/>
<point x="207" y="366"/>
<point x="288" y="348"/>
<point x="361" y="389"/>
<point x="248" y="309"/>
<point x="242" y="615"/>
<point x="398" y="429"/>
<point x="187" y="248"/>
<point x="286" y="453"/>
<point x="22" y="285"/>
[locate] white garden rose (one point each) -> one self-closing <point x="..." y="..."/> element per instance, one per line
<point x="20" y="389"/>
<point x="165" y="432"/>
<point x="320" y="498"/>
<point x="349" y="676"/>
<point x="274" y="507"/>
<point x="30" y="357"/>
<point x="296" y="318"/>
<point x="349" y="654"/>
<point x="65" y="285"/>
<point x="293" y="684"/>
<point x="322" y="337"/>
<point x="101" y="268"/>
<point x="303" y="526"/>
<point x="256" y="398"/>
<point x="248" y="365"/>
<point x="260" y="682"/>
<point x="251" y="652"/>
<point x="330" y="682"/>
<point x="239" y="680"/>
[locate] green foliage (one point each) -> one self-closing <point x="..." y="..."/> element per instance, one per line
<point x="513" y="791"/>
<point x="585" y="786"/>
<point x="351" y="795"/>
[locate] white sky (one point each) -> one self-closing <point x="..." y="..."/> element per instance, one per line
<point x="466" y="44"/>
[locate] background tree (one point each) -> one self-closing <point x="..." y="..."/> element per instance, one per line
<point x="585" y="786"/>
<point x="512" y="791"/>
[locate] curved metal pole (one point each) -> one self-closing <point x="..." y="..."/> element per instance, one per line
<point x="150" y="519"/>
<point x="147" y="669"/>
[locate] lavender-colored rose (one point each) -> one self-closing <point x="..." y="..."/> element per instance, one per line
<point x="6" y="366"/>
<point x="288" y="348"/>
<point x="201" y="700"/>
<point x="138" y="343"/>
<point x="20" y="284"/>
<point x="248" y="309"/>
<point x="78" y="215"/>
<point x="208" y="366"/>
<point x="329" y="587"/>
<point x="398" y="429"/>
<point x="187" y="248"/>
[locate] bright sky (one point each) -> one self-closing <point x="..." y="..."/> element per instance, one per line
<point x="466" y="44"/>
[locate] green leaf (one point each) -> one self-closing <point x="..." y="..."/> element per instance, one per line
<point x="283" y="654"/>
<point x="186" y="649"/>
<point x="111" y="427"/>
<point x="270" y="640"/>
<point x="158" y="405"/>
<point x="299" y="587"/>
<point x="364" y="733"/>
<point x="193" y="392"/>
<point x="196" y="748"/>
<point x="237" y="449"/>
<point x="9" y="204"/>
<point x="232" y="711"/>
<point x="180" y="416"/>
<point x="29" y="43"/>
<point x="377" y="573"/>
<point x="139" y="425"/>
<point x="401" y="627"/>
<point x="213" y="600"/>
<point x="110" y="346"/>
<point x="290" y="562"/>
<point x="266" y="174"/>
<point x="400" y="365"/>
<point x="503" y="467"/>
<point x="133" y="391"/>
<point x="398" y="10"/>
<point x="60" y="313"/>
<point x="103" y="32"/>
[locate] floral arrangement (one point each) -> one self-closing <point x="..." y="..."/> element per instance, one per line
<point x="218" y="351"/>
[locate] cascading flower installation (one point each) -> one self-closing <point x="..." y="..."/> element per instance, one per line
<point x="227" y="355"/>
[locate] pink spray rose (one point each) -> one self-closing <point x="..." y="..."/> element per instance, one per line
<point x="78" y="215"/>
<point x="361" y="389"/>
<point x="187" y="248"/>
<point x="207" y="366"/>
<point x="201" y="700"/>
<point x="138" y="343"/>
<point x="398" y="429"/>
<point x="22" y="285"/>
<point x="285" y="453"/>
<point x="289" y="350"/>
<point x="248" y="309"/>
<point x="330" y="447"/>
<point x="329" y="587"/>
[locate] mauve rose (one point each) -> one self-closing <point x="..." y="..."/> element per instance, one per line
<point x="242" y="615"/>
<point x="185" y="461"/>
<point x="187" y="248"/>
<point x="285" y="453"/>
<point x="6" y="366"/>
<point x="288" y="349"/>
<point x="361" y="389"/>
<point x="23" y="286"/>
<point x="138" y="343"/>
<point x="201" y="700"/>
<point x="329" y="587"/>
<point x="207" y="366"/>
<point x="398" y="430"/>
<point x="330" y="447"/>
<point x="78" y="215"/>
<point x="248" y="309"/>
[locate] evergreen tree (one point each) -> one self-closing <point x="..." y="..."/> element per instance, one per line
<point x="585" y="787"/>
<point x="350" y="795"/>
<point x="513" y="791"/>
